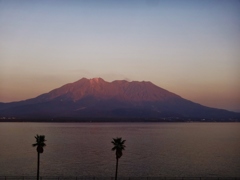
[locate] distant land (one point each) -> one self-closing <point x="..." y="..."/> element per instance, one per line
<point x="95" y="100"/>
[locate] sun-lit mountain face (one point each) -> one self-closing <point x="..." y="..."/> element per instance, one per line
<point x="118" y="99"/>
<point x="120" y="89"/>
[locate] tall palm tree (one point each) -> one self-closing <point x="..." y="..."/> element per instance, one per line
<point x="40" y="144"/>
<point x="119" y="147"/>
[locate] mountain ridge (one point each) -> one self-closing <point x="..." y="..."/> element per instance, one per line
<point x="100" y="88"/>
<point x="97" y="98"/>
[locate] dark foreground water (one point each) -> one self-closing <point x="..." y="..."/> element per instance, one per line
<point x="152" y="149"/>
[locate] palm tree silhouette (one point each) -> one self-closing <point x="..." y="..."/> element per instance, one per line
<point x="40" y="144"/>
<point x="119" y="147"/>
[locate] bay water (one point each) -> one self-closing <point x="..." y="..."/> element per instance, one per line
<point x="152" y="149"/>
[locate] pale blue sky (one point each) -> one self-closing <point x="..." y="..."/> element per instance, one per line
<point x="189" y="47"/>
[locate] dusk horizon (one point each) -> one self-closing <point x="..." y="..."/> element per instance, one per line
<point x="120" y="100"/>
<point x="96" y="79"/>
<point x="190" y="48"/>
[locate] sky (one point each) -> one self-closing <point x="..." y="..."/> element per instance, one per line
<point x="189" y="47"/>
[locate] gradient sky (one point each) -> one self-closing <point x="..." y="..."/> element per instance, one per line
<point x="191" y="47"/>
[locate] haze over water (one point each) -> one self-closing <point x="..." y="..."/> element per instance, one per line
<point x="152" y="149"/>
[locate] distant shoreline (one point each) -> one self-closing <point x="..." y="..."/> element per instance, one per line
<point x="116" y="120"/>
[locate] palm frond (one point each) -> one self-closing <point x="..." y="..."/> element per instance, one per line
<point x="34" y="144"/>
<point x="40" y="139"/>
<point x="118" y="146"/>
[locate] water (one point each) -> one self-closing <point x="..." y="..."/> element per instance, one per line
<point x="152" y="149"/>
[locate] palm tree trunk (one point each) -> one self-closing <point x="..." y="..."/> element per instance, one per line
<point x="38" y="164"/>
<point x="116" y="169"/>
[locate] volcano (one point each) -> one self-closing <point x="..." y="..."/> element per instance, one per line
<point x="120" y="99"/>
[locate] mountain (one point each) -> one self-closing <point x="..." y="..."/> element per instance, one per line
<point x="96" y="98"/>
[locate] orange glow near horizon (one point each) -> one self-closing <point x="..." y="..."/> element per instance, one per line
<point x="190" y="49"/>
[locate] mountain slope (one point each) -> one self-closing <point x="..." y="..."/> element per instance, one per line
<point x="117" y="99"/>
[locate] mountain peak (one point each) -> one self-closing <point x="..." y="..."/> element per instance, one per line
<point x="122" y="90"/>
<point x="96" y="80"/>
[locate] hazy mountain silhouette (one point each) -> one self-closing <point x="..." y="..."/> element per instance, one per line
<point x="89" y="98"/>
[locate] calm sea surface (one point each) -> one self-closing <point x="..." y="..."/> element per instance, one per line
<point x="152" y="149"/>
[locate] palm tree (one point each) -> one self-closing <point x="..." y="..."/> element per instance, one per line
<point x="119" y="147"/>
<point x="40" y="144"/>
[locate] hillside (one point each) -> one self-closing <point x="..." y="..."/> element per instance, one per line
<point x="96" y="98"/>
